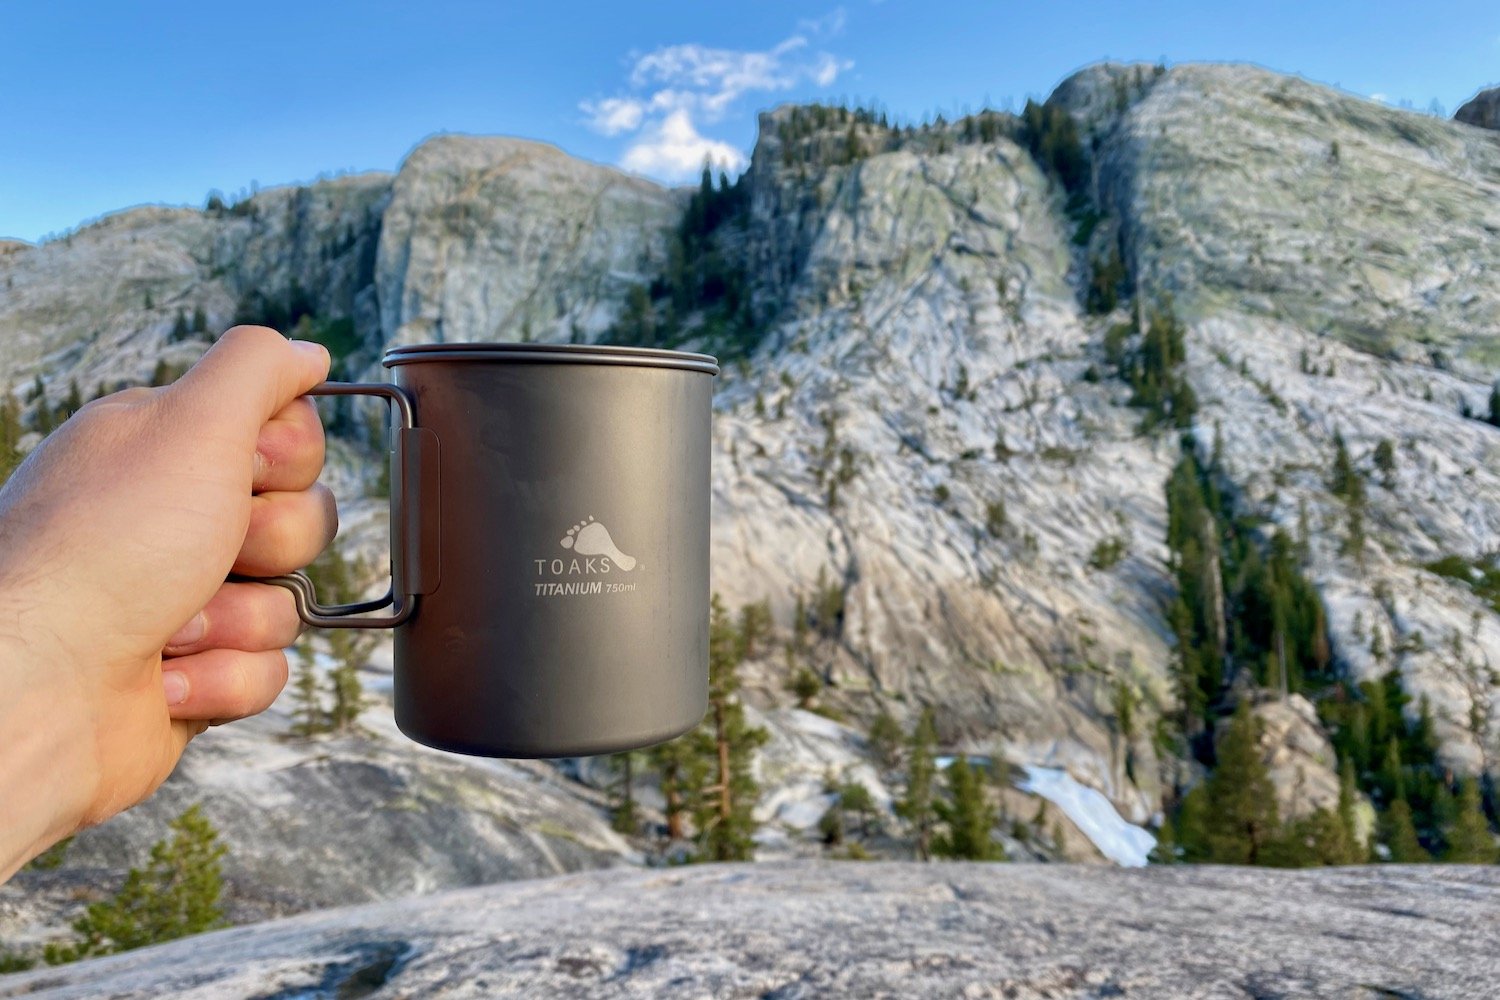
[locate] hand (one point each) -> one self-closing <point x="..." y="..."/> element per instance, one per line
<point x="119" y="638"/>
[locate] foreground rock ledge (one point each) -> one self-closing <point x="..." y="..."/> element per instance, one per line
<point x="806" y="929"/>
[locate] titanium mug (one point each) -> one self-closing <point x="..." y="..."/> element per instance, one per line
<point x="549" y="555"/>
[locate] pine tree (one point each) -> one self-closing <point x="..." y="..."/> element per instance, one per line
<point x="855" y="798"/>
<point x="885" y="739"/>
<point x="175" y="895"/>
<point x="805" y="686"/>
<point x="968" y="816"/>
<point x="337" y="578"/>
<point x="671" y="760"/>
<point x="10" y="435"/>
<point x="1192" y="826"/>
<point x="623" y="816"/>
<point x="308" y="716"/>
<point x="916" y="805"/>
<point x="1165" y="852"/>
<point x="723" y="811"/>
<point x="1385" y="461"/>
<point x="1313" y="840"/>
<point x="1400" y="835"/>
<point x="1242" y="818"/>
<point x="1470" y="841"/>
<point x="1495" y="405"/>
<point x="1357" y="851"/>
<point x="43" y="419"/>
<point x="200" y="321"/>
<point x="1343" y="480"/>
<point x="755" y="626"/>
<point x="74" y="401"/>
<point x="179" y="327"/>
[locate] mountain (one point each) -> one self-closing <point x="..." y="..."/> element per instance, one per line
<point x="1481" y="110"/>
<point x="807" y="929"/>
<point x="966" y="364"/>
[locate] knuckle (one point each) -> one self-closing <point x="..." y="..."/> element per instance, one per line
<point x="251" y="334"/>
<point x="279" y="621"/>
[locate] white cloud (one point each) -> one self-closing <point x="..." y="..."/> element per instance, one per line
<point x="1382" y="98"/>
<point x="670" y="92"/>
<point x="614" y="115"/>
<point x="674" y="150"/>
<point x="828" y="69"/>
<point x="831" y="23"/>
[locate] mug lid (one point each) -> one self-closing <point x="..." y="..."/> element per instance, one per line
<point x="590" y="354"/>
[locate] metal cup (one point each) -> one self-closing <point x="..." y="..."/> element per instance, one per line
<point x="550" y="521"/>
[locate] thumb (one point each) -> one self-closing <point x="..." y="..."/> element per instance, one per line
<point x="246" y="378"/>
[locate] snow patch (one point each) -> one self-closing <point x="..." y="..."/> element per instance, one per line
<point x="1123" y="843"/>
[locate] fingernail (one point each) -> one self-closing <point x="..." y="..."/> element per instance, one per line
<point x="310" y="348"/>
<point x="174" y="685"/>
<point x="191" y="632"/>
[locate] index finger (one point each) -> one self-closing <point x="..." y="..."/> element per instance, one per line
<point x="248" y="377"/>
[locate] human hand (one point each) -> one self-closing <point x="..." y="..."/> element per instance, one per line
<point x="119" y="638"/>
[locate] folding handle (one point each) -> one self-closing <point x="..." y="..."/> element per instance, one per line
<point x="414" y="538"/>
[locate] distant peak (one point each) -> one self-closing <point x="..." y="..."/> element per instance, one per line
<point x="1482" y="110"/>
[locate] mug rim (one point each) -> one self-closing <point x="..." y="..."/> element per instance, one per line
<point x="598" y="354"/>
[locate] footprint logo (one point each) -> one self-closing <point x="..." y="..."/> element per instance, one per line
<point x="590" y="538"/>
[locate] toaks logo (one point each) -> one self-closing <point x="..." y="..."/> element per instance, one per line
<point x="593" y="553"/>
<point x="590" y="538"/>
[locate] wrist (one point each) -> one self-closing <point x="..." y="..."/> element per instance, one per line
<point x="45" y="772"/>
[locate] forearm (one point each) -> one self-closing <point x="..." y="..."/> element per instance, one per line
<point x="43" y="763"/>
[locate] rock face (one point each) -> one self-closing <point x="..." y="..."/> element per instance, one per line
<point x="1337" y="262"/>
<point x="1482" y="110"/>
<point x="491" y="239"/>
<point x="857" y="930"/>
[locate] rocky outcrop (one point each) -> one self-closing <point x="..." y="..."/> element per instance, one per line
<point x="493" y="239"/>
<point x="332" y="820"/>
<point x="1337" y="263"/>
<point x="866" y="930"/>
<point x="1482" y="110"/>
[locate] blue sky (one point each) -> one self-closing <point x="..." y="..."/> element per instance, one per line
<point x="107" y="105"/>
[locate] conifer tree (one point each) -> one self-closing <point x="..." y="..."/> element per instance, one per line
<point x="803" y="682"/>
<point x="179" y="327"/>
<point x="334" y="575"/>
<point x="1495" y="405"/>
<point x="1241" y="818"/>
<point x="1385" y="461"/>
<point x="1400" y="835"/>
<point x="1192" y="827"/>
<point x="855" y="799"/>
<point x="755" y="626"/>
<point x="885" y="739"/>
<point x="671" y="760"/>
<point x="74" y="401"/>
<point x="308" y="716"/>
<point x="723" y="811"/>
<point x="623" y="816"/>
<point x="175" y="895"/>
<point x="10" y="435"/>
<point x="916" y="805"/>
<point x="1165" y="852"/>
<point x="968" y="817"/>
<point x="43" y="418"/>
<point x="1357" y="852"/>
<point x="1470" y="841"/>
<point x="200" y="321"/>
<point x="1316" y="839"/>
<point x="344" y="681"/>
